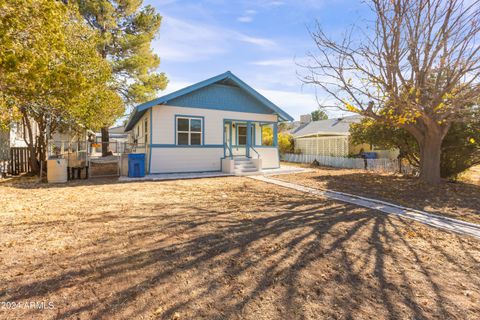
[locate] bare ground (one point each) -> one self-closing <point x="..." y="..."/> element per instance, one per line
<point x="456" y="200"/>
<point x="224" y="248"/>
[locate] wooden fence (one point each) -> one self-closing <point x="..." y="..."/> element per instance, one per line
<point x="19" y="161"/>
<point x="378" y="165"/>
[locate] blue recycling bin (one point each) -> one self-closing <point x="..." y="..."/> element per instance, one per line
<point x="136" y="165"/>
<point x="370" y="155"/>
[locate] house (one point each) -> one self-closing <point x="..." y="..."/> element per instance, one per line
<point x="115" y="134"/>
<point x="117" y="141"/>
<point x="331" y="137"/>
<point x="213" y="125"/>
<point x="62" y="141"/>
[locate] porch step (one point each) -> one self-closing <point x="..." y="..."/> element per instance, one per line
<point x="244" y="166"/>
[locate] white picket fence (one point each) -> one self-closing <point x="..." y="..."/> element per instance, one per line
<point x="377" y="165"/>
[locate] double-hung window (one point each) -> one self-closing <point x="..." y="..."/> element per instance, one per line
<point x="189" y="131"/>
<point x="242" y="134"/>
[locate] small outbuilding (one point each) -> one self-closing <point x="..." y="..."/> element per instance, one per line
<point x="331" y="137"/>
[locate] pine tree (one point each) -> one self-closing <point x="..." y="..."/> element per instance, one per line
<point x="127" y="30"/>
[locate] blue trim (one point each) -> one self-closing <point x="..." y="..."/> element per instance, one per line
<point x="224" y="140"/>
<point x="136" y="114"/>
<point x="275" y="134"/>
<point x="189" y="116"/>
<point x="249" y="138"/>
<point x="245" y="121"/>
<point x="151" y="142"/>
<point x="187" y="146"/>
<point x="236" y="134"/>
<point x="179" y="172"/>
<point x="230" y="136"/>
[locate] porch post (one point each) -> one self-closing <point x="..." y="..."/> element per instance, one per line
<point x="275" y="134"/>
<point x="249" y="137"/>
<point x="230" y="139"/>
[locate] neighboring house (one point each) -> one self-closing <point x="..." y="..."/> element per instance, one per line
<point x="115" y="134"/>
<point x="294" y="126"/>
<point x="214" y="125"/>
<point x="15" y="136"/>
<point x="331" y="137"/>
<point x="117" y="140"/>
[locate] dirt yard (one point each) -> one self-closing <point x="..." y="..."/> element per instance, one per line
<point x="457" y="200"/>
<point x="224" y="248"/>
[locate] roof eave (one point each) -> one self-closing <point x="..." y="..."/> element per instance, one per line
<point x="226" y="75"/>
<point x="340" y="134"/>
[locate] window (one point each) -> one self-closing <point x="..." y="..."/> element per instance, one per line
<point x="242" y="134"/>
<point x="189" y="131"/>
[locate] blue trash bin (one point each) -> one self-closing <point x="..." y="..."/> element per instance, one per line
<point x="136" y="165"/>
<point x="370" y="155"/>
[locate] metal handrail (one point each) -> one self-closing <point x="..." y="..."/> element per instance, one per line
<point x="229" y="150"/>
<point x="258" y="154"/>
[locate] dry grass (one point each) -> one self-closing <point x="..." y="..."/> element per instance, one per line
<point x="457" y="200"/>
<point x="472" y="175"/>
<point x="225" y="248"/>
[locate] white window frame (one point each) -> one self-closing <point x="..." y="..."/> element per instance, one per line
<point x="189" y="132"/>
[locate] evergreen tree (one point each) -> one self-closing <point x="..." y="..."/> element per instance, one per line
<point x="126" y="32"/>
<point x="319" y="115"/>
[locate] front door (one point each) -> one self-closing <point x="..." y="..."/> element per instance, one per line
<point x="245" y="140"/>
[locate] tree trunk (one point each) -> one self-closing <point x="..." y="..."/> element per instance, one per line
<point x="105" y="141"/>
<point x="31" y="143"/>
<point x="430" y="151"/>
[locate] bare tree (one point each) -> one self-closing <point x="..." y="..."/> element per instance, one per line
<point x="416" y="66"/>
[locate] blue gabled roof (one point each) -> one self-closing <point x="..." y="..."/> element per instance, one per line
<point x="140" y="110"/>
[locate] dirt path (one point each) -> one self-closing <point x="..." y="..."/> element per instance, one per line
<point x="437" y="221"/>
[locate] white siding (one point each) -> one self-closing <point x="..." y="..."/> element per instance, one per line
<point x="190" y="159"/>
<point x="164" y="122"/>
<point x="326" y="146"/>
<point x="140" y="129"/>
<point x="186" y="159"/>
<point x="258" y="135"/>
<point x="269" y="157"/>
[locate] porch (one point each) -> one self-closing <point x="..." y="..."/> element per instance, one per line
<point x="249" y="146"/>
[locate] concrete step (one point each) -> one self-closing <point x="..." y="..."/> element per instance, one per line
<point x="246" y="169"/>
<point x="244" y="165"/>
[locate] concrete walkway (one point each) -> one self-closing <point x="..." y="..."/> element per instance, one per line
<point x="433" y="220"/>
<point x="284" y="169"/>
<point x="176" y="176"/>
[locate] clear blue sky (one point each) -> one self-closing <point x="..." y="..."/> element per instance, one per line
<point x="259" y="41"/>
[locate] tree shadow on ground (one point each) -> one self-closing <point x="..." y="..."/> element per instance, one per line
<point x="450" y="199"/>
<point x="286" y="256"/>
